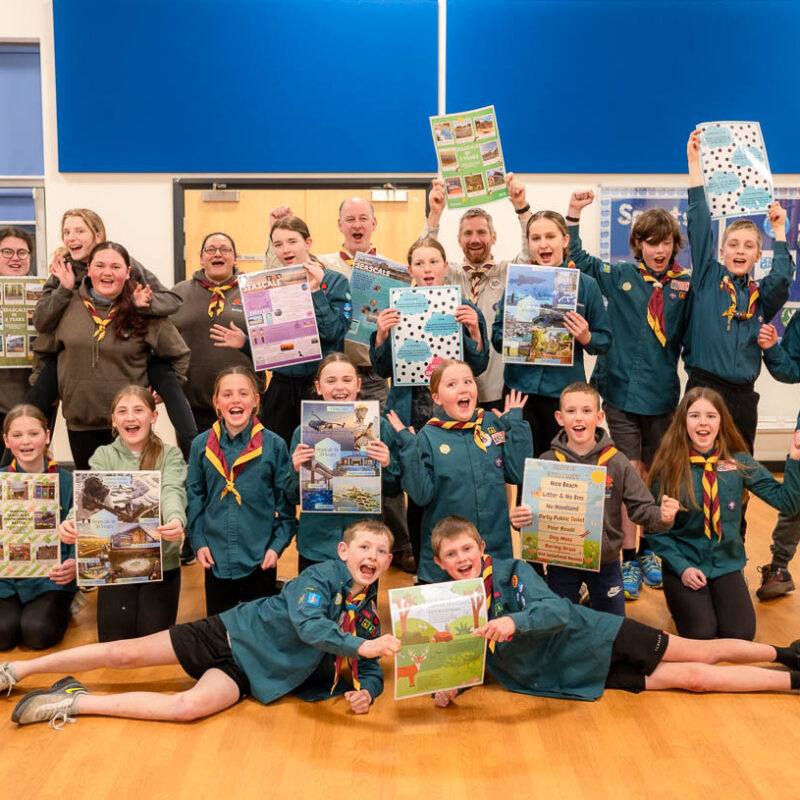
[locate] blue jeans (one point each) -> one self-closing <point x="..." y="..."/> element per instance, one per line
<point x="605" y="586"/>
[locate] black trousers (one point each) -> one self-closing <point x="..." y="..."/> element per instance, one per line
<point x="720" y="609"/>
<point x="540" y="413"/>
<point x="84" y="443"/>
<point x="225" y="593"/>
<point x="38" y="624"/>
<point x="138" y="609"/>
<point x="281" y="409"/>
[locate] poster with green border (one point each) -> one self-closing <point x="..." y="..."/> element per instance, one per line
<point x="435" y="623"/>
<point x="18" y="298"/>
<point x="566" y="502"/>
<point x="470" y="157"/>
<point x="29" y="519"/>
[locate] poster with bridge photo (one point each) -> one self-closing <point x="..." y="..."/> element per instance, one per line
<point x="116" y="516"/>
<point x="537" y="298"/>
<point x="470" y="157"/>
<point x="18" y="298"/>
<point x="29" y="519"/>
<point x="427" y="333"/>
<point x="370" y="282"/>
<point x="566" y="502"/>
<point x="736" y="174"/>
<point x="279" y="312"/>
<point x="435" y="623"/>
<point x="340" y="478"/>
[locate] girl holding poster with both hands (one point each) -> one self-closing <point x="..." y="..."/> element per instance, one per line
<point x="139" y="609"/>
<point x="319" y="534"/>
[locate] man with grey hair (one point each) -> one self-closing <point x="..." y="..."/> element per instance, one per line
<point x="480" y="277"/>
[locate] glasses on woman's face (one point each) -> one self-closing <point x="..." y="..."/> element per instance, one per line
<point x="224" y="250"/>
<point x="21" y="254"/>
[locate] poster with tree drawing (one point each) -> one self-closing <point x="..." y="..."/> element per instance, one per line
<point x="435" y="623"/>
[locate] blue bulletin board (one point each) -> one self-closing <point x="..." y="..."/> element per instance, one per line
<point x="245" y="85"/>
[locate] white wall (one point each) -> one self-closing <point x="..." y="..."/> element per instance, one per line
<point x="137" y="208"/>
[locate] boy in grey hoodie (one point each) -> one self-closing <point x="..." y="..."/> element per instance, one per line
<point x="582" y="441"/>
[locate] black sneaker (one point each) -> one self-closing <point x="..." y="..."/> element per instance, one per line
<point x="775" y="582"/>
<point x="188" y="556"/>
<point x="51" y="705"/>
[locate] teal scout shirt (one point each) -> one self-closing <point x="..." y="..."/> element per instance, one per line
<point x="116" y="456"/>
<point x="240" y="535"/>
<point x="280" y="642"/>
<point x="26" y="589"/>
<point x="730" y="352"/>
<point x="333" y="308"/>
<point x="783" y="360"/>
<point x="445" y="472"/>
<point x="319" y="534"/>
<point x="686" y="544"/>
<point x="637" y="374"/>
<point x="400" y="397"/>
<point x="559" y="649"/>
<point x="550" y="381"/>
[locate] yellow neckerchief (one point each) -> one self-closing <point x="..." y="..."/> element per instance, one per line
<point x="711" y="513"/>
<point x="475" y="425"/>
<point x="102" y="324"/>
<point x="348" y="625"/>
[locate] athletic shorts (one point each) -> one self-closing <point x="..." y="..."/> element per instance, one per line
<point x="637" y="651"/>
<point x="637" y="436"/>
<point x="203" y="645"/>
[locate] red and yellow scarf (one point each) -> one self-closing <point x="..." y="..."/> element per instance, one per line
<point x="102" y="324"/>
<point x="731" y="313"/>
<point x="606" y="454"/>
<point x="215" y="455"/>
<point x="348" y="625"/>
<point x="711" y="511"/>
<point x="217" y="300"/>
<point x="349" y="258"/>
<point x="52" y="466"/>
<point x="655" y="305"/>
<point x="475" y="425"/>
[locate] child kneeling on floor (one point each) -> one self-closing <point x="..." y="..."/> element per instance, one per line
<point x="542" y="644"/>
<point x="294" y="642"/>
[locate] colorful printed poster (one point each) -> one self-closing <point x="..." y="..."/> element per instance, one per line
<point x="620" y="208"/>
<point x="370" y="282"/>
<point x="435" y="623"/>
<point x="18" y="298"/>
<point x="341" y="478"/>
<point x="29" y="518"/>
<point x="566" y="501"/>
<point x="280" y="317"/>
<point x="537" y="298"/>
<point x="470" y="157"/>
<point x="116" y="516"/>
<point x="426" y="334"/>
<point x="736" y="173"/>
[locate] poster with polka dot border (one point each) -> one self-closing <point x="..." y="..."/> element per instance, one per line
<point x="736" y="173"/>
<point x="426" y="334"/>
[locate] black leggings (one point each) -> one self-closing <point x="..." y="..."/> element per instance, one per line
<point x="84" y="443"/>
<point x="138" y="609"/>
<point x="225" y="593"/>
<point x="721" y="609"/>
<point x="38" y="624"/>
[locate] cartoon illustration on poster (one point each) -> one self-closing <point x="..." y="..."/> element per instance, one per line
<point x="435" y="623"/>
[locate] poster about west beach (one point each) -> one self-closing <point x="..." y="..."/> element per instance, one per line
<point x="537" y="298"/>
<point x="116" y="516"/>
<point x="340" y="478"/>
<point x="435" y="623"/>
<point x="29" y="519"/>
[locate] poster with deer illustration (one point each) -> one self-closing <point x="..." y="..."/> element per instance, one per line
<point x="435" y="622"/>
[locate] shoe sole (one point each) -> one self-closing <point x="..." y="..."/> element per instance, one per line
<point x="56" y="687"/>
<point x="771" y="594"/>
<point x="631" y="597"/>
<point x="654" y="585"/>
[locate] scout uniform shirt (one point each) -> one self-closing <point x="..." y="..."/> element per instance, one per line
<point x="550" y="381"/>
<point x="288" y="642"/>
<point x="240" y="535"/>
<point x="686" y="543"/>
<point x="638" y="374"/>
<point x="725" y="347"/>
<point x="559" y="649"/>
<point x="444" y="471"/>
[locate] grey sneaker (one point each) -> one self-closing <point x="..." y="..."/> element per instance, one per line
<point x="8" y="679"/>
<point x="51" y="705"/>
<point x="775" y="582"/>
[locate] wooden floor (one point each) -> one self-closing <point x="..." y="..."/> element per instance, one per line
<point x="657" y="744"/>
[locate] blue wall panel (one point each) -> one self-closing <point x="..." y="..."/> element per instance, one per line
<point x="21" y="148"/>
<point x="604" y="86"/>
<point x="245" y="85"/>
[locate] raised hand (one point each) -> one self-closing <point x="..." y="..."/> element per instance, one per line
<point x="142" y="295"/>
<point x="579" y="200"/>
<point x="232" y="336"/>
